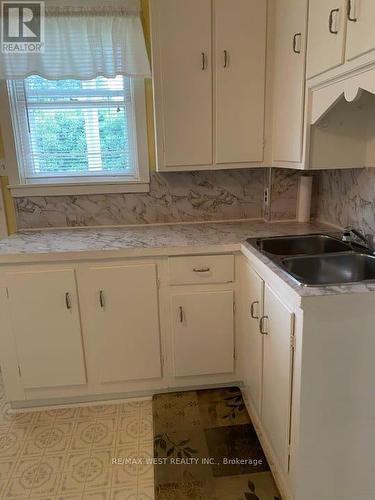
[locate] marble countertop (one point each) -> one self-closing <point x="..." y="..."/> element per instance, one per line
<point x="162" y="238"/>
<point x="158" y="240"/>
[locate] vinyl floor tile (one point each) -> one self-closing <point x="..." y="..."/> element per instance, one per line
<point x="67" y="453"/>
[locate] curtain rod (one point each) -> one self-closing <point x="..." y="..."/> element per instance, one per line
<point x="91" y="10"/>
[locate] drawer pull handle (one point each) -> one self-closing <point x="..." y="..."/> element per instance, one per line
<point x="181" y="314"/>
<point x="252" y="307"/>
<point x="330" y="21"/>
<point x="101" y="299"/>
<point x="202" y="270"/>
<point x="68" y="301"/>
<point x="261" y="325"/>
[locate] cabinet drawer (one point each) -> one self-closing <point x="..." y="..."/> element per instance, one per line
<point x="201" y="269"/>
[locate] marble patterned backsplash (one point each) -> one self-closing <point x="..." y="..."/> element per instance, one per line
<point x="173" y="197"/>
<point x="346" y="197"/>
<point x="284" y="193"/>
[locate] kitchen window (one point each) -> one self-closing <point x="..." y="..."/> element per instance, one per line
<point x="73" y="117"/>
<point x="71" y="131"/>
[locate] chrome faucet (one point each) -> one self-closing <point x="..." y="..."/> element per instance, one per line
<point x="352" y="235"/>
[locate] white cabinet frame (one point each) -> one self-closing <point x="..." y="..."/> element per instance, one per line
<point x="212" y="62"/>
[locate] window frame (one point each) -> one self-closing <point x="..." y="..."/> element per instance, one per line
<point x="94" y="185"/>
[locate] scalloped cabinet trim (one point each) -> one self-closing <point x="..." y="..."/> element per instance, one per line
<point x="324" y="99"/>
<point x="341" y="122"/>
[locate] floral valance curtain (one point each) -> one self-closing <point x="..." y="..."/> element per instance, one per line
<point x="83" y="43"/>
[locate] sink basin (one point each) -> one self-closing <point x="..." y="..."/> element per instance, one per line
<point x="331" y="269"/>
<point x="302" y="245"/>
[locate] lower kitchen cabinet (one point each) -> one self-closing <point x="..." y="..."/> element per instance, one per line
<point x="278" y="335"/>
<point x="317" y="404"/>
<point x="251" y="311"/>
<point x="120" y="317"/>
<point x="202" y="332"/>
<point x="43" y="314"/>
<point x="267" y="326"/>
<point x="102" y="327"/>
<point x="87" y="330"/>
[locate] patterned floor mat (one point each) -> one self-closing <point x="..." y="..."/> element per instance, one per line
<point x="207" y="448"/>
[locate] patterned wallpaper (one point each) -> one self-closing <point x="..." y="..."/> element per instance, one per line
<point x="173" y="197"/>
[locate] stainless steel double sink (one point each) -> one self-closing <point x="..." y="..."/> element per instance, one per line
<point x="318" y="259"/>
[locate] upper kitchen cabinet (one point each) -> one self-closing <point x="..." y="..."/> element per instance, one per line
<point x="182" y="68"/>
<point x="288" y="83"/>
<point x="209" y="80"/>
<point x="325" y="122"/>
<point x="240" y="44"/>
<point x="360" y="31"/>
<point x="326" y="35"/>
<point x="341" y="37"/>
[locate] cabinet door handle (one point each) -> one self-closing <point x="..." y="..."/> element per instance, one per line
<point x="181" y="314"/>
<point x="226" y="58"/>
<point x="201" y="269"/>
<point x="101" y="299"/>
<point x="252" y="313"/>
<point x="349" y="12"/>
<point x="204" y="61"/>
<point x="261" y="325"/>
<point x="68" y="301"/>
<point x="297" y="50"/>
<point x="330" y="21"/>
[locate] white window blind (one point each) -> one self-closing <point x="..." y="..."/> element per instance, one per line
<point x="74" y="130"/>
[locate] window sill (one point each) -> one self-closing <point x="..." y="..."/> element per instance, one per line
<point x="60" y="189"/>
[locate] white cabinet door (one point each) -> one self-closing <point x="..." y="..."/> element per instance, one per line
<point x="240" y="46"/>
<point x="360" y="36"/>
<point x="289" y="79"/>
<point x="252" y="355"/>
<point x="3" y="217"/>
<point x="203" y="333"/>
<point x="44" y="318"/>
<point x="326" y="35"/>
<point x="181" y="32"/>
<point x="277" y="374"/>
<point x="121" y="321"/>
